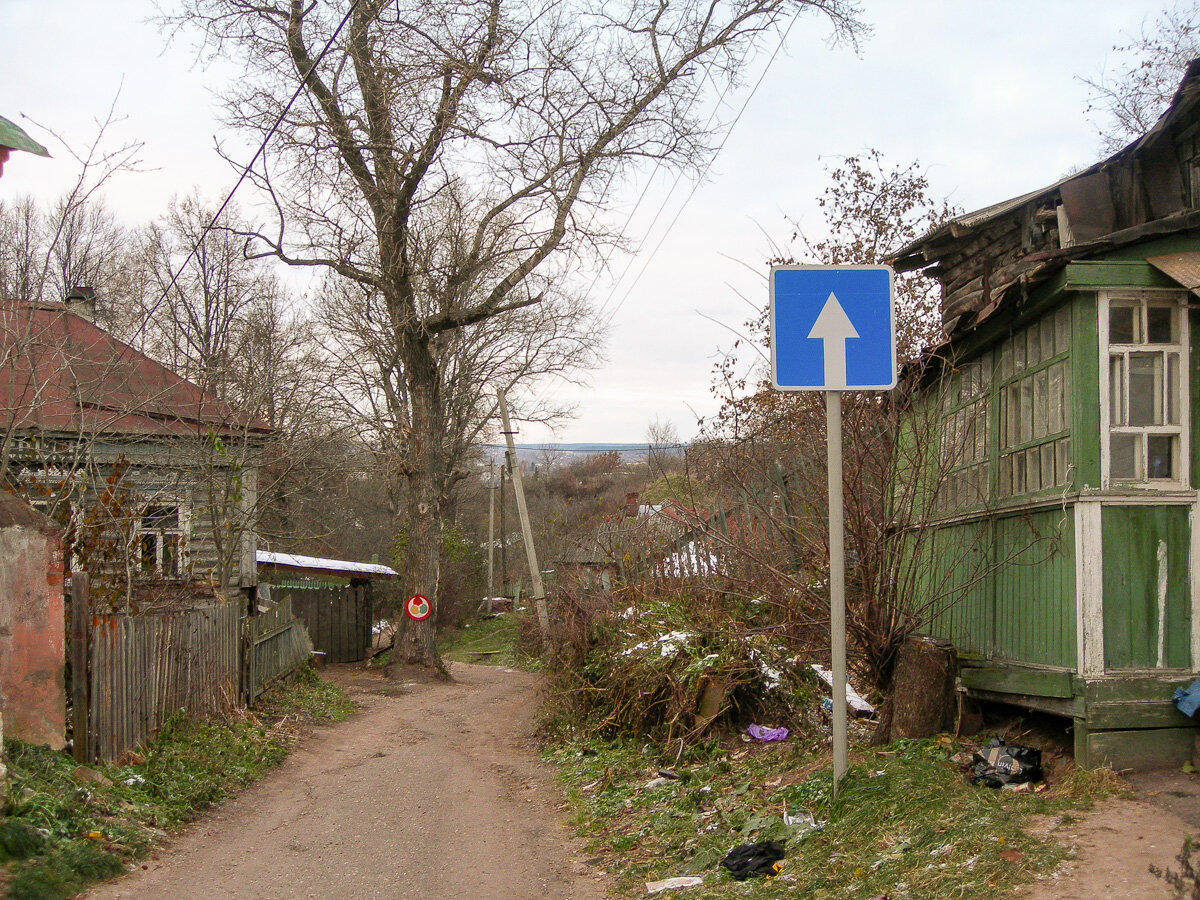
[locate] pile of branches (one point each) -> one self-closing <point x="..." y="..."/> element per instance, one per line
<point x="652" y="662"/>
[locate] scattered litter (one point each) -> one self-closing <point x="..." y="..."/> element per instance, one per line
<point x="668" y="773"/>
<point x="860" y="706"/>
<point x="135" y="780"/>
<point x="590" y="787"/>
<point x="1000" y="764"/>
<point x="878" y="773"/>
<point x="802" y="819"/>
<point x="1188" y="699"/>
<point x="683" y="881"/>
<point x="655" y="783"/>
<point x="767" y="733"/>
<point x="761" y="859"/>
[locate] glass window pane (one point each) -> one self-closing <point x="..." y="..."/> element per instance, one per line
<point x="1062" y="330"/>
<point x="1160" y="325"/>
<point x="1041" y="404"/>
<point x="1145" y="389"/>
<point x="1018" y="473"/>
<point x="1116" y="390"/>
<point x="1047" y="335"/>
<point x="1173" y="388"/>
<point x="1123" y="455"/>
<point x="1049" y="476"/>
<point x="1062" y="450"/>
<point x="1160" y="456"/>
<point x="1006" y="360"/>
<point x="1026" y="409"/>
<point x="1014" y="415"/>
<point x="1056" y="400"/>
<point x="1005" y="486"/>
<point x="1122" y="325"/>
<point x="149" y="544"/>
<point x="1033" y="468"/>
<point x="981" y="429"/>
<point x="1034" y="354"/>
<point x="1019" y="352"/>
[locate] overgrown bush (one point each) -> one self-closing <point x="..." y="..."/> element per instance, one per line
<point x="668" y="663"/>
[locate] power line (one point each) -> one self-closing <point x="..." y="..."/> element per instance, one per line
<point x="262" y="147"/>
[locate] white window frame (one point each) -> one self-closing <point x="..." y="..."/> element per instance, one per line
<point x="1105" y="302"/>
<point x="180" y="530"/>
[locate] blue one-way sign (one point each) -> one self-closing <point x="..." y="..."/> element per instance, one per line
<point x="833" y="328"/>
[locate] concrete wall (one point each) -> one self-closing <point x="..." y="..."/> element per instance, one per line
<point x="32" y="627"/>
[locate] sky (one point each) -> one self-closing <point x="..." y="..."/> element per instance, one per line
<point x="987" y="97"/>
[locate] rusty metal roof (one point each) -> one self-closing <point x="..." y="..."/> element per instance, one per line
<point x="60" y="373"/>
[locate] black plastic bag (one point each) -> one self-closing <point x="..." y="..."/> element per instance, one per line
<point x="754" y="859"/>
<point x="999" y="764"/>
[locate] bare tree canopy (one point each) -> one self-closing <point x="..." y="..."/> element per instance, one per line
<point x="454" y="159"/>
<point x="1134" y="92"/>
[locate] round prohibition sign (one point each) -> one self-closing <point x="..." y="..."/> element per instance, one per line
<point x="418" y="608"/>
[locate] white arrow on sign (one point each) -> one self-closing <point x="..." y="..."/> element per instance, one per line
<point x="834" y="327"/>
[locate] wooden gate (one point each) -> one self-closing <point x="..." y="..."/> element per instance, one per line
<point x="339" y="620"/>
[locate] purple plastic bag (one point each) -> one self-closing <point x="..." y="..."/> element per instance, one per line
<point x="761" y="733"/>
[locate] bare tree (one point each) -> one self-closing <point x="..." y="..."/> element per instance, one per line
<point x="522" y="116"/>
<point x="1133" y="94"/>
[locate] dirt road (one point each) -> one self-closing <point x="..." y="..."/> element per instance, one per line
<point x="430" y="791"/>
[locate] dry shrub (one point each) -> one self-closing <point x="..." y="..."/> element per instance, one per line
<point x="670" y="662"/>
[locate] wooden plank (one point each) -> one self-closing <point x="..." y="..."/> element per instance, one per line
<point x="1086" y="275"/>
<point x="1008" y="680"/>
<point x="1134" y="748"/>
<point x="80" y="603"/>
<point x="1135" y="714"/>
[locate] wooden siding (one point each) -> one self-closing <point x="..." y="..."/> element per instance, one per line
<point x="146" y="667"/>
<point x="276" y="645"/>
<point x="338" y="619"/>
<point x="1009" y="590"/>
<point x="1034" y="571"/>
<point x="1085" y="388"/>
<point x="1132" y="536"/>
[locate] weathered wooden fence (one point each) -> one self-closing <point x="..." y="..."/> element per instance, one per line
<point x="339" y="620"/>
<point x="276" y="645"/>
<point x="145" y="667"/>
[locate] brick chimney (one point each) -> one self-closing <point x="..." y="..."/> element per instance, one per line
<point x="631" y="504"/>
<point x="82" y="302"/>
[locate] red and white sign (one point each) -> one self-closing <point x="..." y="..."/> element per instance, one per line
<point x="418" y="608"/>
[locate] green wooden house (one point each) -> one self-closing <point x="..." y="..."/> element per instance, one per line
<point x="1063" y="545"/>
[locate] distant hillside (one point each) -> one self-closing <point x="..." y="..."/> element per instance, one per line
<point x="565" y="454"/>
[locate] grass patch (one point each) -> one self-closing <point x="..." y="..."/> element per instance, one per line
<point x="490" y="642"/>
<point x="907" y="825"/>
<point x="69" y="826"/>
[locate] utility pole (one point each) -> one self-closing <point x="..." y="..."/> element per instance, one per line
<point x="504" y="536"/>
<point x="491" y="529"/>
<point x="535" y="574"/>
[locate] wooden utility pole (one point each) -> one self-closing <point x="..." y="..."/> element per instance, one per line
<point x="535" y="574"/>
<point x="491" y="529"/>
<point x="504" y="537"/>
<point x="79" y="667"/>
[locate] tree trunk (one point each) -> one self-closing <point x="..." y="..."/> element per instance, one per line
<point x="416" y="642"/>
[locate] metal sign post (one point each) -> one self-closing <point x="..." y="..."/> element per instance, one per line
<point x="833" y="328"/>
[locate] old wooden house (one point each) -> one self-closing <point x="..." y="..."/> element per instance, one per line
<point x="153" y="479"/>
<point x="1064" y="541"/>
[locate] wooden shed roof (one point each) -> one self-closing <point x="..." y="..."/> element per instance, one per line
<point x="1140" y="192"/>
